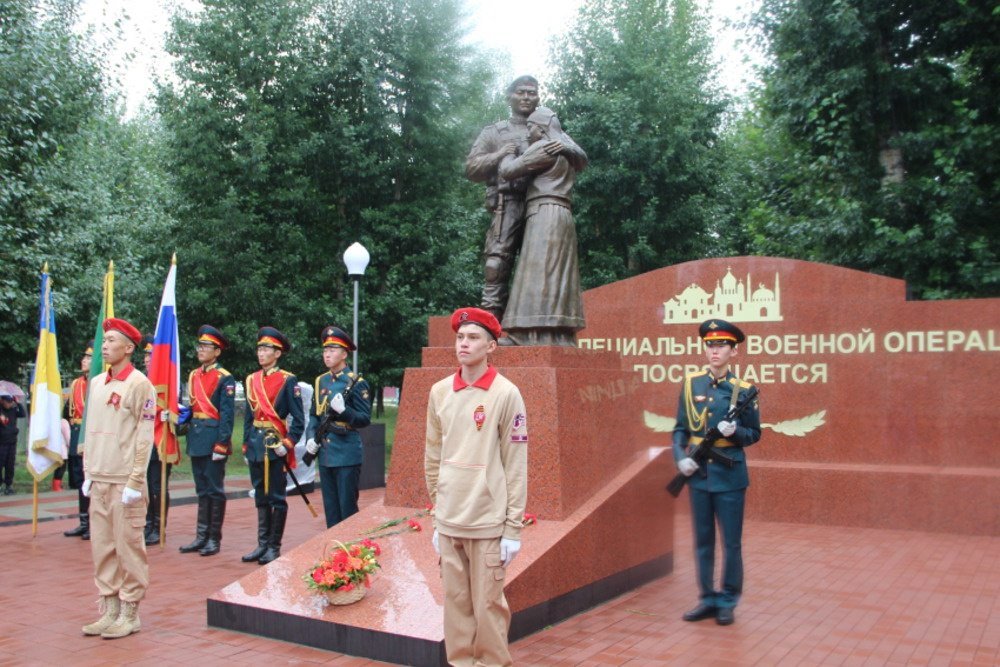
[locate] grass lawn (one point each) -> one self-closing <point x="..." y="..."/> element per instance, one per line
<point x="234" y="467"/>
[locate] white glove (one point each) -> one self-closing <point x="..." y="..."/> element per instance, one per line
<point x="216" y="456"/>
<point x="727" y="428"/>
<point x="434" y="541"/>
<point x="311" y="446"/>
<point x="164" y="416"/>
<point x="129" y="496"/>
<point x="508" y="549"/>
<point x="281" y="450"/>
<point x="337" y="403"/>
<point x="85" y="489"/>
<point x="687" y="466"/>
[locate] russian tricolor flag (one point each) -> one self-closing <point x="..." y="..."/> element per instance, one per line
<point x="165" y="370"/>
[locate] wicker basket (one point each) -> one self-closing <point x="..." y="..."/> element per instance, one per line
<point x="346" y="597"/>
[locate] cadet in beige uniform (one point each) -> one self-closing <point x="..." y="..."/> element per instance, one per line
<point x="476" y="467"/>
<point x="121" y="409"/>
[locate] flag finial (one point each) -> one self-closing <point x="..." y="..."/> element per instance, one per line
<point x="111" y="265"/>
<point x="173" y="260"/>
<point x="45" y="267"/>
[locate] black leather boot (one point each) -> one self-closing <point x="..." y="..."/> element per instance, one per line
<point x="152" y="532"/>
<point x="215" y="518"/>
<point x="83" y="503"/>
<point x="277" y="530"/>
<point x="263" y="530"/>
<point x="201" y="527"/>
<point x="85" y="516"/>
<point x="83" y="528"/>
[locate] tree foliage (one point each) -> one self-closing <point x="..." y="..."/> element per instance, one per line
<point x="77" y="186"/>
<point x="881" y="141"/>
<point x="635" y="87"/>
<point x="300" y="127"/>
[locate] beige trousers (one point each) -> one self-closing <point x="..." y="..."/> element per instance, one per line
<point x="117" y="543"/>
<point x="476" y="615"/>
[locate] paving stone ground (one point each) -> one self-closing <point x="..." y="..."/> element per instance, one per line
<point x="814" y="595"/>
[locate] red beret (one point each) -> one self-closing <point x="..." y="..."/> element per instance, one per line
<point x="124" y="327"/>
<point x="483" y="318"/>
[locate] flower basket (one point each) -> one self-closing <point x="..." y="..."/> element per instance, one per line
<point x="340" y="596"/>
<point x="344" y="575"/>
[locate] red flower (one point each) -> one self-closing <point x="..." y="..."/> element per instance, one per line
<point x="530" y="518"/>
<point x="414" y="526"/>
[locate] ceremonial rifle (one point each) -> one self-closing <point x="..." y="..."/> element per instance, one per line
<point x="272" y="440"/>
<point x="704" y="451"/>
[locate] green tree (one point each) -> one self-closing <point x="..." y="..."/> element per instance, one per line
<point x="300" y="127"/>
<point x="635" y="87"/>
<point x="77" y="186"/>
<point x="886" y="118"/>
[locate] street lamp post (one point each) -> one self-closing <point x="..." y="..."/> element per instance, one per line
<point x="356" y="258"/>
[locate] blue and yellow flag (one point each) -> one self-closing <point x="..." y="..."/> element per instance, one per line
<point x="46" y="447"/>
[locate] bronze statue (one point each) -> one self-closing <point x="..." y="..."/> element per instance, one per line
<point x="546" y="305"/>
<point x="504" y="197"/>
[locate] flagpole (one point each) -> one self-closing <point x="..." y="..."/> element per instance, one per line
<point x="163" y="487"/>
<point x="34" y="509"/>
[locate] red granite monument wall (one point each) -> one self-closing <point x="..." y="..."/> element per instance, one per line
<point x="878" y="411"/>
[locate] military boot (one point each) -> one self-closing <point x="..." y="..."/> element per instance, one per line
<point x="152" y="532"/>
<point x="110" y="607"/>
<point x="80" y="530"/>
<point x="85" y="511"/>
<point x="127" y="623"/>
<point x="277" y="530"/>
<point x="215" y="517"/>
<point x="201" y="527"/>
<point x="263" y="531"/>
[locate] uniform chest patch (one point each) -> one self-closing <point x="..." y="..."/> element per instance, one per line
<point x="699" y="399"/>
<point x="230" y="390"/>
<point x="115" y="400"/>
<point x="479" y="416"/>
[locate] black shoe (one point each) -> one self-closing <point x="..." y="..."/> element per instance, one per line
<point x="76" y="532"/>
<point x="700" y="613"/>
<point x="725" y="616"/>
<point x="153" y="537"/>
<point x="9" y="491"/>
<point x="272" y="553"/>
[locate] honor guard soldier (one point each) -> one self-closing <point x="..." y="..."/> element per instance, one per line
<point x="718" y="492"/>
<point x="153" y="473"/>
<point x="272" y="395"/>
<point x="342" y="405"/>
<point x="121" y="409"/>
<point x="74" y="412"/>
<point x="209" y="438"/>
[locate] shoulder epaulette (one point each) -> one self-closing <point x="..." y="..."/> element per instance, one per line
<point x="287" y="374"/>
<point x="744" y="384"/>
<point x="223" y="372"/>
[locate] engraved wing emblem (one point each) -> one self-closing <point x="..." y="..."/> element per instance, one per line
<point x="658" y="423"/>
<point x="791" y="427"/>
<point x="799" y="427"/>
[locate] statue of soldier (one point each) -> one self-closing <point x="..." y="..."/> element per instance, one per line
<point x="504" y="198"/>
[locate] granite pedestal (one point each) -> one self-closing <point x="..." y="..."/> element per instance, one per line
<point x="595" y="483"/>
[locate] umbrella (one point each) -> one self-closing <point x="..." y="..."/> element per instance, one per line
<point x="8" y="387"/>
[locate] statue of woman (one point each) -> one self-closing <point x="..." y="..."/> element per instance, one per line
<point x="546" y="305"/>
